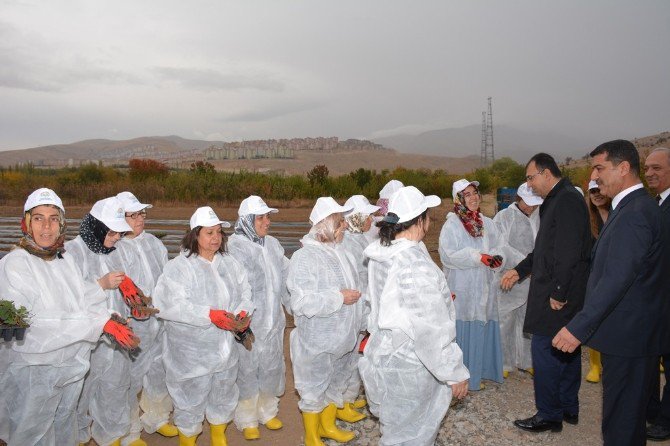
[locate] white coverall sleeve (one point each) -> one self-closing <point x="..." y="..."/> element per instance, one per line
<point x="511" y="255"/>
<point x="431" y="317"/>
<point x="309" y="297"/>
<point x="451" y="255"/>
<point x="53" y="329"/>
<point x="172" y="292"/>
<point x="285" y="295"/>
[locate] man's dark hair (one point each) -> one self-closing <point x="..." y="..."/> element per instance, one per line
<point x="545" y="161"/>
<point x="618" y="151"/>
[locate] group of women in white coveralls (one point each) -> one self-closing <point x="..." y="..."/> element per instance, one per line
<point x="370" y="306"/>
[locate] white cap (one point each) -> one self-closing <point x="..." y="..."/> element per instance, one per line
<point x="41" y="197"/>
<point x="131" y="203"/>
<point x="460" y="186"/>
<point x="579" y="189"/>
<point x="254" y="205"/>
<point x="360" y="205"/>
<point x="408" y="202"/>
<point x="324" y="207"/>
<point x="206" y="217"/>
<point x="390" y="187"/>
<point x="528" y="196"/>
<point x="110" y="211"/>
<point x="593" y="185"/>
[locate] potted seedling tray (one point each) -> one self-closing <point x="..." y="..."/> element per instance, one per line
<point x="13" y="321"/>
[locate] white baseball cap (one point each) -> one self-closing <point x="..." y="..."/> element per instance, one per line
<point x="528" y="196"/>
<point x="389" y="188"/>
<point x="324" y="207"/>
<point x="361" y="205"/>
<point x="42" y="197"/>
<point x="408" y="202"/>
<point x="254" y="205"/>
<point x="460" y="186"/>
<point x="110" y="211"/>
<point x="593" y="185"/>
<point x="131" y="203"/>
<point x="206" y="217"/>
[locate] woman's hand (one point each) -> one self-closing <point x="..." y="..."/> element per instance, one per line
<point x="350" y="296"/>
<point x="111" y="280"/>
<point x="460" y="390"/>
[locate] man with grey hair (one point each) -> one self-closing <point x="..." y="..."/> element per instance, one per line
<point x="657" y="174"/>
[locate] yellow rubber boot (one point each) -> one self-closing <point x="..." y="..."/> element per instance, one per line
<point x="218" y="434"/>
<point x="312" y="422"/>
<point x="274" y="424"/>
<point x="187" y="441"/>
<point x="328" y="428"/>
<point x="168" y="430"/>
<point x="505" y="374"/>
<point x="595" y="368"/>
<point x="138" y="442"/>
<point x="251" y="433"/>
<point x="349" y="414"/>
<point x="116" y="442"/>
<point x="359" y="404"/>
<point x="531" y="371"/>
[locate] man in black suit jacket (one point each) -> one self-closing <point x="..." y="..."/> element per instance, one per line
<point x="558" y="269"/>
<point x="625" y="313"/>
<point x="657" y="173"/>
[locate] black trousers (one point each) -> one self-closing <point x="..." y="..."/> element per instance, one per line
<point x="627" y="384"/>
<point x="658" y="411"/>
<point x="557" y="379"/>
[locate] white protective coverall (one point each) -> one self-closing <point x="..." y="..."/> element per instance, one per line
<point x="411" y="358"/>
<point x="261" y="377"/>
<point x="518" y="233"/>
<point x="143" y="258"/>
<point x="103" y="409"/>
<point x="326" y="332"/>
<point x="42" y="376"/>
<point x="354" y="243"/>
<point x="477" y="327"/>
<point x="201" y="359"/>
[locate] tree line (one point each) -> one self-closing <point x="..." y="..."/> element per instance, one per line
<point x="153" y="181"/>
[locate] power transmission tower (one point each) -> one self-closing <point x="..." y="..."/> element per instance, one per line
<point x="487" y="153"/>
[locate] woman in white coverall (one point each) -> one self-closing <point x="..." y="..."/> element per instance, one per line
<point x="204" y="298"/>
<point x="143" y="256"/>
<point x="42" y="376"/>
<point x="261" y="376"/>
<point x="325" y="294"/>
<point x="356" y="239"/>
<point x="383" y="203"/>
<point x="411" y="365"/>
<point x="470" y="251"/>
<point x="103" y="410"/>
<point x="518" y="225"/>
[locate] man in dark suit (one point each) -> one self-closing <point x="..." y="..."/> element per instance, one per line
<point x="625" y="312"/>
<point x="657" y="173"/>
<point x="558" y="269"/>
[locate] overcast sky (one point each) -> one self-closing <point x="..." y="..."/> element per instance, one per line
<point x="232" y="70"/>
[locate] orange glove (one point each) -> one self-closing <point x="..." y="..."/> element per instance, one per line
<point x="131" y="294"/>
<point x="118" y="330"/>
<point x="491" y="261"/>
<point x="223" y="319"/>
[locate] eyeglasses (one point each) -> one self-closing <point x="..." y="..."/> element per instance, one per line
<point x="530" y="177"/>
<point x="467" y="195"/>
<point x="136" y="215"/>
<point x="113" y="234"/>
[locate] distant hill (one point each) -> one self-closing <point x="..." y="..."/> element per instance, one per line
<point x="508" y="141"/>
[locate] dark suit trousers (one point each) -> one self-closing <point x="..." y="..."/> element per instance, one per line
<point x="658" y="411"/>
<point x="557" y="379"/>
<point x="627" y="384"/>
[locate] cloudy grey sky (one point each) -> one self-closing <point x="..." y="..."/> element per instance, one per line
<point x="231" y="70"/>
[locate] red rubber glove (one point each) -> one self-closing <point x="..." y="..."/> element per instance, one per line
<point x="491" y="261"/>
<point x="223" y="320"/>
<point x="131" y="294"/>
<point x="119" y="331"/>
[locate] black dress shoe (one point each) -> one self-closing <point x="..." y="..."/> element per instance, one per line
<point x="570" y="418"/>
<point x="656" y="432"/>
<point x="537" y="424"/>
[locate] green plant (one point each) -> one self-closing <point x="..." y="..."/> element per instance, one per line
<point x="12" y="316"/>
